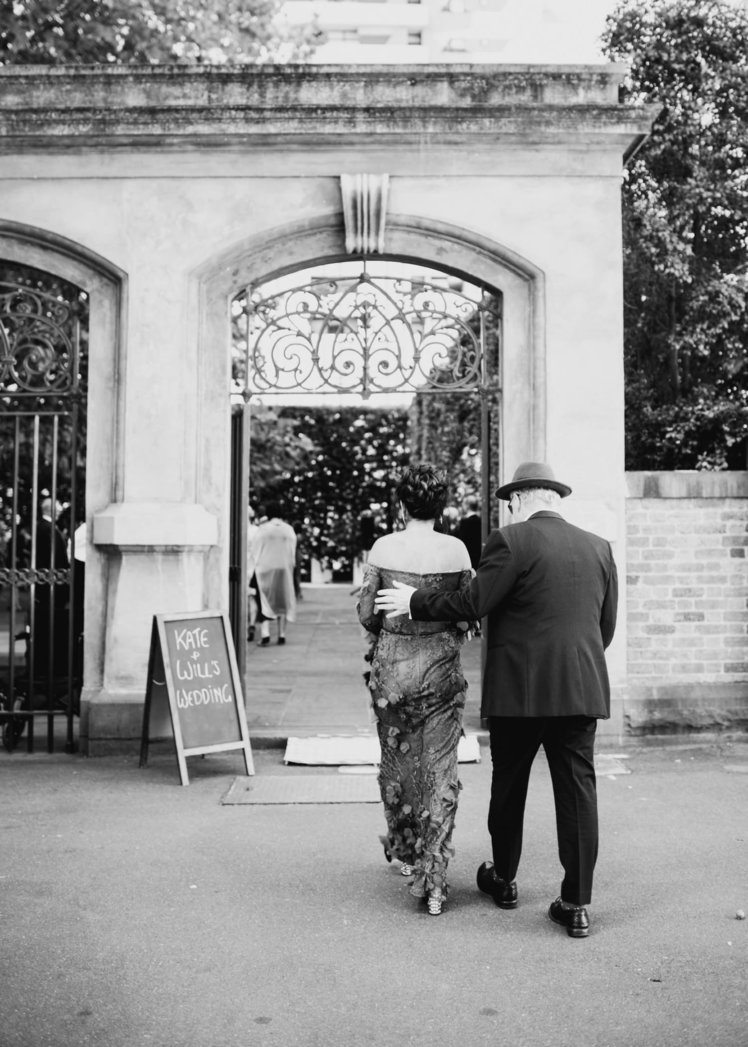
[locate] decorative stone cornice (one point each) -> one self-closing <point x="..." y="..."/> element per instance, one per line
<point x="222" y="107"/>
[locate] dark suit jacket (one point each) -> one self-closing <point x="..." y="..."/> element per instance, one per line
<point x="549" y="591"/>
<point x="469" y="532"/>
<point x="47" y="535"/>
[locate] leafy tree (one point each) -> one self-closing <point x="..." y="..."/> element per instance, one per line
<point x="54" y="32"/>
<point x="685" y="224"/>
<point x="277" y="448"/>
<point x="353" y="457"/>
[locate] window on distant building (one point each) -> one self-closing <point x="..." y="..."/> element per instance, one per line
<point x="415" y="39"/>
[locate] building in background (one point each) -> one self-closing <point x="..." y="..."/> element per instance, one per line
<point x="460" y="31"/>
<point x="491" y="31"/>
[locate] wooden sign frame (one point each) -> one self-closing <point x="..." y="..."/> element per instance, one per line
<point x="162" y="709"/>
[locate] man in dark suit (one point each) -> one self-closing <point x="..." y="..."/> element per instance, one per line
<point x="549" y="591"/>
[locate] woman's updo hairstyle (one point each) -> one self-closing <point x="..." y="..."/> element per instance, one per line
<point x="423" y="491"/>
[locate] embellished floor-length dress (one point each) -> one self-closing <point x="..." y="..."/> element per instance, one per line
<point x="418" y="696"/>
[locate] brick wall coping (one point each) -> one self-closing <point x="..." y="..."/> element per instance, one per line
<point x="687" y="484"/>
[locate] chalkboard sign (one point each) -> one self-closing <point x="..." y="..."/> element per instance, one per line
<point x="194" y="694"/>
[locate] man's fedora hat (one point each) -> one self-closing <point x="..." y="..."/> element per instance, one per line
<point x="533" y="474"/>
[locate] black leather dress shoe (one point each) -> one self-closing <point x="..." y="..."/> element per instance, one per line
<point x="502" y="892"/>
<point x="574" y="919"/>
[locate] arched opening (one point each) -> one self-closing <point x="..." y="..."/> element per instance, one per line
<point x="410" y="240"/>
<point x="59" y="323"/>
<point x="344" y="373"/>
<point x="518" y="417"/>
<point x="341" y="375"/>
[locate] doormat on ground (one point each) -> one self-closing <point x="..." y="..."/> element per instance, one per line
<point x="323" y="749"/>
<point x="306" y="788"/>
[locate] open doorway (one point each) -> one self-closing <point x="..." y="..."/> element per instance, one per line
<point x="343" y="374"/>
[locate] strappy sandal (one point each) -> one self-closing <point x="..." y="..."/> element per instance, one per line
<point x="435" y="902"/>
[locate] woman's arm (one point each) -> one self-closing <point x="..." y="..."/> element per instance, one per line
<point x="368" y="615"/>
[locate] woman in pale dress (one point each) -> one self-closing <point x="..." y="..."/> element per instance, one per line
<point x="274" y="555"/>
<point x="418" y="688"/>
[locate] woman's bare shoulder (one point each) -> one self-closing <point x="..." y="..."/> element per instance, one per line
<point x="431" y="553"/>
<point x="380" y="547"/>
<point x="455" y="553"/>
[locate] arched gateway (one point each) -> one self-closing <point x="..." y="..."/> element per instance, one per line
<point x="194" y="183"/>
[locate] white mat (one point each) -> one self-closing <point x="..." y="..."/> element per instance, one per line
<point x="322" y="749"/>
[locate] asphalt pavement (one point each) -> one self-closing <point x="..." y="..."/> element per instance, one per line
<point x="136" y="912"/>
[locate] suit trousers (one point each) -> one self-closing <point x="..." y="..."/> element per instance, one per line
<point x="569" y="744"/>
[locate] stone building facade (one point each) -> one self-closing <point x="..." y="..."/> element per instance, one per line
<point x="163" y="191"/>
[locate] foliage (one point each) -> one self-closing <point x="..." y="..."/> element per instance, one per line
<point x="685" y="207"/>
<point x="277" y="450"/>
<point x="55" y="32"/>
<point x="447" y="433"/>
<point x="352" y="456"/>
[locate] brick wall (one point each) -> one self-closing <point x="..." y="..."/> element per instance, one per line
<point x="687" y="603"/>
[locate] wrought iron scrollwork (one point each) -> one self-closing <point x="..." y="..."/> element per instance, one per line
<point x="38" y="343"/>
<point x="363" y="334"/>
<point x="27" y="576"/>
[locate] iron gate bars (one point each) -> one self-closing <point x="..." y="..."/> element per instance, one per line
<point x="42" y="408"/>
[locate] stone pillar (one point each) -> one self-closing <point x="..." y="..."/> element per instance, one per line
<point x="155" y="554"/>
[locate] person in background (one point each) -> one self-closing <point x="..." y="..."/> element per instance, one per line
<point x="417" y="687"/>
<point x="253" y="589"/>
<point x="469" y="530"/>
<point x="299" y="557"/>
<point x="550" y="593"/>
<point x="51" y="595"/>
<point x="274" y="554"/>
<point x="366" y="533"/>
<point x="448" y="520"/>
<point x="78" y="543"/>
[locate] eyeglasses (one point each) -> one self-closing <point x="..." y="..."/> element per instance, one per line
<point x="510" y="506"/>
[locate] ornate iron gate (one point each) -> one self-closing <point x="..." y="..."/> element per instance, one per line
<point x="399" y="330"/>
<point x="43" y="331"/>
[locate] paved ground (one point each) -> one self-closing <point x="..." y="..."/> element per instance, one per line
<point x="313" y="684"/>
<point x="139" y="913"/>
<point x="135" y="912"/>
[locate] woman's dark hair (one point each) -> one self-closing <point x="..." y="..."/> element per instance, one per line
<point x="423" y="491"/>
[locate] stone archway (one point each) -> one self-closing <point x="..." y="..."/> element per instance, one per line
<point x="409" y="239"/>
<point x="198" y="181"/>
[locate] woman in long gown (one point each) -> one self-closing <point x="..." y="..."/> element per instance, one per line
<point x="418" y="689"/>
